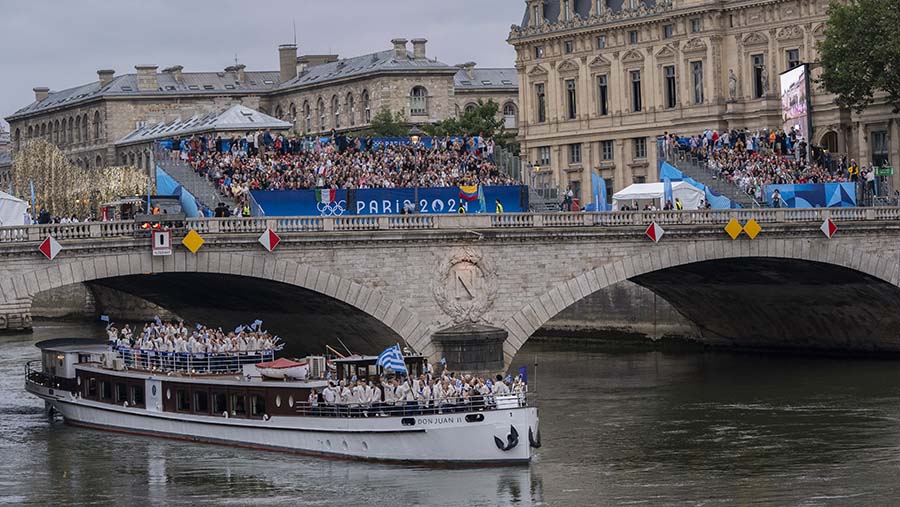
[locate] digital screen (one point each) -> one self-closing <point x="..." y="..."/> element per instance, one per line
<point x="795" y="101"/>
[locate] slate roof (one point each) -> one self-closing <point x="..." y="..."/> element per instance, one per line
<point x="237" y="118"/>
<point x="217" y="83"/>
<point x="382" y="61"/>
<point x="5" y="159"/>
<point x="486" y="79"/>
<point x="552" y="8"/>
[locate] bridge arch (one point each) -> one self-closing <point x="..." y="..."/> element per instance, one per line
<point x="657" y="258"/>
<point x="18" y="290"/>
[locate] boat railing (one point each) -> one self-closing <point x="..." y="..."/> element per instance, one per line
<point x="471" y="405"/>
<point x="34" y="374"/>
<point x="191" y="363"/>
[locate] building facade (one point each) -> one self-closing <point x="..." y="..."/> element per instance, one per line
<point x="600" y="80"/>
<point x="316" y="93"/>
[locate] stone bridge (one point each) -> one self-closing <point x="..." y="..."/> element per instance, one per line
<point x="474" y="288"/>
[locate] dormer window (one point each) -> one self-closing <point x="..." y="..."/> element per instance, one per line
<point x="568" y="46"/>
<point x="567" y="13"/>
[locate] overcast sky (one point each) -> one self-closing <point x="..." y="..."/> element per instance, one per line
<point x="62" y="44"/>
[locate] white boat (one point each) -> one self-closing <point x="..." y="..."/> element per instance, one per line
<point x="213" y="400"/>
<point x="282" y="368"/>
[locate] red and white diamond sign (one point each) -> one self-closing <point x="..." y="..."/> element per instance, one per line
<point x="269" y="239"/>
<point x="654" y="232"/>
<point x="828" y="228"/>
<point x="50" y="247"/>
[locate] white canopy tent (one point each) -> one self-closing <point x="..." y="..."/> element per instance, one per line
<point x="646" y="193"/>
<point x="12" y="210"/>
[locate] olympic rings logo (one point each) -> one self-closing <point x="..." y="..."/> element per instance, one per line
<point x="329" y="209"/>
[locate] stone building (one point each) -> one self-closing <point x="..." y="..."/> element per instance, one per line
<point x="5" y="158"/>
<point x="316" y="93"/>
<point x="599" y="80"/>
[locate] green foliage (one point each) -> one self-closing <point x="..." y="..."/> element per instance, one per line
<point x="860" y="55"/>
<point x="484" y="119"/>
<point x="387" y="124"/>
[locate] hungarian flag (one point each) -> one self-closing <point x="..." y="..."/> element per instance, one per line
<point x="468" y="192"/>
<point x="325" y="195"/>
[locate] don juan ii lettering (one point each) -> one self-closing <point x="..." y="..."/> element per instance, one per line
<point x="439" y="420"/>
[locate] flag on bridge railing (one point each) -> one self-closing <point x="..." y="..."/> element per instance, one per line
<point x="391" y="359"/>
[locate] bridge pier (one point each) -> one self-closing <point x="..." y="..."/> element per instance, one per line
<point x="472" y="348"/>
<point x="15" y="316"/>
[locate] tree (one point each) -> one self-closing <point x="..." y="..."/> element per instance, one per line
<point x="64" y="189"/>
<point x="387" y="124"/>
<point x="860" y="55"/>
<point x="483" y="119"/>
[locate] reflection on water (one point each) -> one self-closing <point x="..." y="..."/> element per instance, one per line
<point x="618" y="428"/>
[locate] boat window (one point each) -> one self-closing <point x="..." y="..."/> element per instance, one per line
<point x="105" y="390"/>
<point x="121" y="393"/>
<point x="137" y="395"/>
<point x="91" y="388"/>
<point x="201" y="402"/>
<point x="291" y="401"/>
<point x="182" y="400"/>
<point x="218" y="402"/>
<point x="238" y="405"/>
<point x="257" y="405"/>
<point x="278" y="400"/>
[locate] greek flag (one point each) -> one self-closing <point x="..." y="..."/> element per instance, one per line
<point x="256" y="324"/>
<point x="391" y="359"/>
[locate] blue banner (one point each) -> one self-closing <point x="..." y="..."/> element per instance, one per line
<point x="814" y="195"/>
<point x="385" y="201"/>
<point x="716" y="201"/>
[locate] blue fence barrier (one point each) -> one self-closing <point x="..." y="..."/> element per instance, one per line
<point x="814" y="195"/>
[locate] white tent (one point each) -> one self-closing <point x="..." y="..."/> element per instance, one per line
<point x="646" y="193"/>
<point x="12" y="210"/>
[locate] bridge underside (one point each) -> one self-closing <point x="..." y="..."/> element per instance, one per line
<point x="783" y="304"/>
<point x="305" y="320"/>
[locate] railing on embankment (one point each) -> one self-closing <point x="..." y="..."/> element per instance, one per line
<point x="213" y="226"/>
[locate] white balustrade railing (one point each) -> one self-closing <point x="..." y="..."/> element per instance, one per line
<point x="254" y="225"/>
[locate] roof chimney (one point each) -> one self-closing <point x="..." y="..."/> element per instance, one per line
<point x="419" y="48"/>
<point x="175" y="71"/>
<point x="146" y="78"/>
<point x="238" y="71"/>
<point x="399" y="48"/>
<point x="287" y="61"/>
<point x="106" y="76"/>
<point x="41" y="93"/>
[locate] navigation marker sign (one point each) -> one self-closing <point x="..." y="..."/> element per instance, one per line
<point x="50" y="247"/>
<point x="828" y="228"/>
<point x="269" y="239"/>
<point x="655" y="232"/>
<point x="192" y="241"/>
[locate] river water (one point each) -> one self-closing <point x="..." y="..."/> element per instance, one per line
<point x="619" y="427"/>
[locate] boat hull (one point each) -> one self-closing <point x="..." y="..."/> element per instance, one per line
<point x="431" y="438"/>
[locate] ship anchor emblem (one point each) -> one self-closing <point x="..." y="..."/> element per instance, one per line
<point x="512" y="440"/>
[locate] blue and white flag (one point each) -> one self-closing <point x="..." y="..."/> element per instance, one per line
<point x="104" y="318"/>
<point x="523" y="373"/>
<point x="157" y="319"/>
<point x="199" y="326"/>
<point x="391" y="359"/>
<point x="256" y="324"/>
<point x="238" y="329"/>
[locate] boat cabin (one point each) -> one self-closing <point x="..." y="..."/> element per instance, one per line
<point x="364" y="367"/>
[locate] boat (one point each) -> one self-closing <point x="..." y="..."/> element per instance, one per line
<point x="225" y="399"/>
<point x="282" y="368"/>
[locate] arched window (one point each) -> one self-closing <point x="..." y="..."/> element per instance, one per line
<point x="367" y="111"/>
<point x="336" y="112"/>
<point x="470" y="107"/>
<point x="99" y="162"/>
<point x="350" y="107"/>
<point x="70" y="134"/>
<point x="131" y="158"/>
<point x="43" y="130"/>
<point x="278" y="112"/>
<point x="87" y="163"/>
<point x="124" y="159"/>
<point x="97" y="128"/>
<point x="63" y="125"/>
<point x="293" y="112"/>
<point x="56" y="132"/>
<point x="31" y="130"/>
<point x="17" y="140"/>
<point x="84" y="131"/>
<point x="78" y="129"/>
<point x="418" y="101"/>
<point x="509" y="115"/>
<point x="308" y="115"/>
<point x="320" y="109"/>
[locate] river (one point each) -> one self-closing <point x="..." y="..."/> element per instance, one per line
<point x="619" y="427"/>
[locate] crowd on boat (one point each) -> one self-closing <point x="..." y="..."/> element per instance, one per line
<point x="345" y="163"/>
<point x="427" y="394"/>
<point x="161" y="343"/>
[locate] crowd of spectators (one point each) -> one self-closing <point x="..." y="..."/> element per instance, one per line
<point x="262" y="161"/>
<point x="753" y="159"/>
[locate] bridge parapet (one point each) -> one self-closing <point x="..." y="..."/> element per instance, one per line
<point x="237" y="225"/>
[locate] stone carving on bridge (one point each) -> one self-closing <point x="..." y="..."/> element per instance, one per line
<point x="466" y="285"/>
